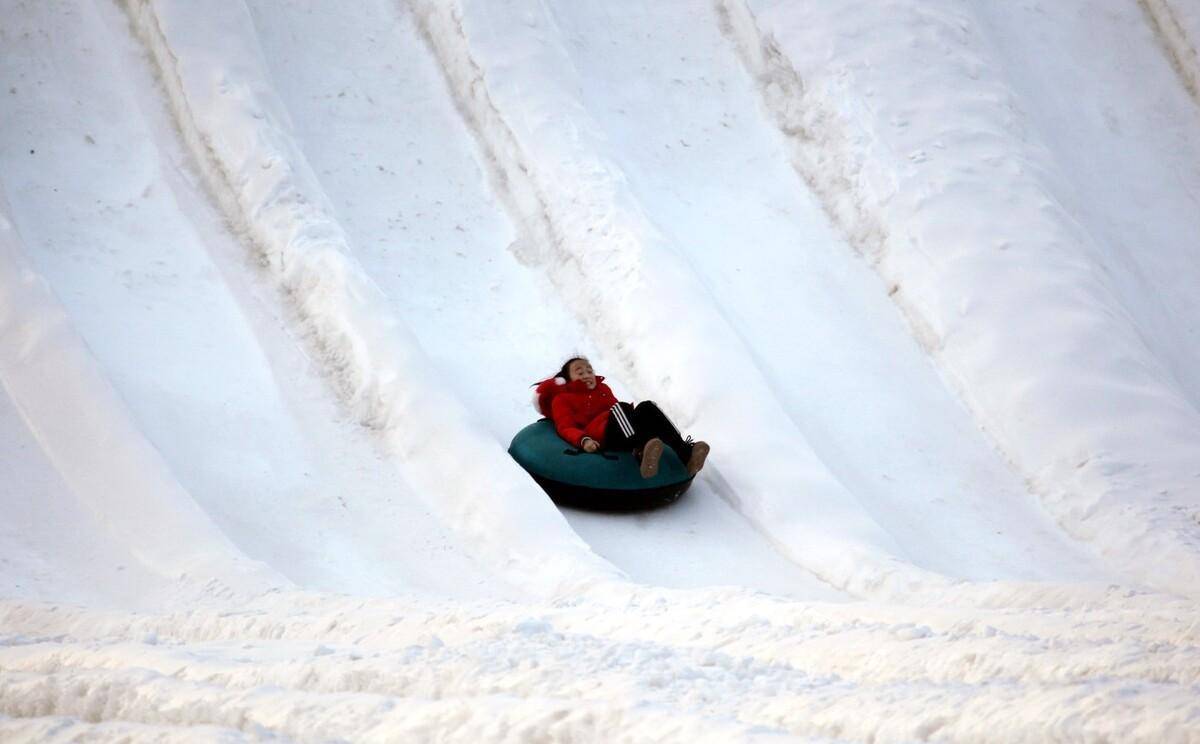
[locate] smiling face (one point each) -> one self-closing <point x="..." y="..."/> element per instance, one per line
<point x="581" y="369"/>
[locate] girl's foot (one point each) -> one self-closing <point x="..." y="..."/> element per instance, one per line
<point x="651" y="454"/>
<point x="696" y="460"/>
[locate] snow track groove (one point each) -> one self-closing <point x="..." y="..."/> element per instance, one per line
<point x="111" y="469"/>
<point x="238" y="135"/>
<point x="623" y="280"/>
<point x="405" y="176"/>
<point x="193" y="338"/>
<point x="917" y="178"/>
<point x="674" y="108"/>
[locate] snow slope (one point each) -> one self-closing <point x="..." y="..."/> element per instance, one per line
<point x="948" y="186"/>
<point x="217" y="388"/>
<point x="904" y="458"/>
<point x="715" y="666"/>
<point x="275" y="278"/>
<point x="401" y="170"/>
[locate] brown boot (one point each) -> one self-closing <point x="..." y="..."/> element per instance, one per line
<point x="696" y="460"/>
<point x="651" y="454"/>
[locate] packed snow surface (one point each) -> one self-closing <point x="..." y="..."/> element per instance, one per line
<point x="276" y="278"/>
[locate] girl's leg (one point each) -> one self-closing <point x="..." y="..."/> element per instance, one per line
<point x="619" y="433"/>
<point x="649" y="421"/>
<point x="649" y="418"/>
<point x="645" y="429"/>
<point x="622" y="433"/>
<point x="637" y="436"/>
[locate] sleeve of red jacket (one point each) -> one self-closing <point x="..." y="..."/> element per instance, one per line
<point x="564" y="421"/>
<point x="595" y="428"/>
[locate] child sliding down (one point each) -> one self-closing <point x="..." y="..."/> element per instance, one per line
<point x="587" y="414"/>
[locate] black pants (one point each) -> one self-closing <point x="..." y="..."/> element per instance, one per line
<point x="630" y="427"/>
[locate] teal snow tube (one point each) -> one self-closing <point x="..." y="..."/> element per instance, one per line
<point x="596" y="481"/>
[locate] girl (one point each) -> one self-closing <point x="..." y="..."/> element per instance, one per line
<point x="587" y="414"/>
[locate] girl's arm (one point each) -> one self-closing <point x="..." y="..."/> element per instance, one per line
<point x="564" y="421"/>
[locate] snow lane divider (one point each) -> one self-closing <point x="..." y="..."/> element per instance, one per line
<point x="220" y="95"/>
<point x="1180" y="50"/>
<point x="998" y="282"/>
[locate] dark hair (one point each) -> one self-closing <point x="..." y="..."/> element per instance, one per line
<point x="565" y="372"/>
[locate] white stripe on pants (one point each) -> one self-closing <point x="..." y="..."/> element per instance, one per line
<point x="622" y="420"/>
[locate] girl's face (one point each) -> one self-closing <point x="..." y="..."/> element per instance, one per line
<point x="581" y="369"/>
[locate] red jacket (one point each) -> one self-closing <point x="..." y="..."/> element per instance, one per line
<point x="576" y="411"/>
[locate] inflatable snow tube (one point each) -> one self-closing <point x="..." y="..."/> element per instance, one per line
<point x="596" y="481"/>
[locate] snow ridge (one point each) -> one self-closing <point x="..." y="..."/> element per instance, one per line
<point x="1174" y="39"/>
<point x="980" y="295"/>
<point x="827" y="162"/>
<point x="238" y="134"/>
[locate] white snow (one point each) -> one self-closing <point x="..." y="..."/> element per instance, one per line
<point x="1050" y="328"/>
<point x="275" y="279"/>
<point x="707" y="666"/>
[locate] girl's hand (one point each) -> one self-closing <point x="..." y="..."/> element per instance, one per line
<point x="590" y="445"/>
